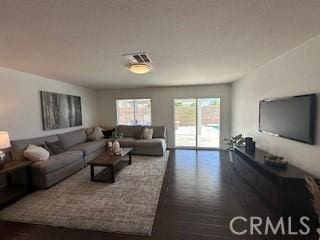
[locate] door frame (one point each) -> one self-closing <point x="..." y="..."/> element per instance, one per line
<point x="174" y="125"/>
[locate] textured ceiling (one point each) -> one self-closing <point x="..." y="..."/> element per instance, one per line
<point x="189" y="41"/>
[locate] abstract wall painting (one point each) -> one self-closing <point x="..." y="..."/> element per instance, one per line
<point x="60" y="110"/>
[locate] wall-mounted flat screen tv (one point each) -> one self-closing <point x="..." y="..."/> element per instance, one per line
<point x="291" y="117"/>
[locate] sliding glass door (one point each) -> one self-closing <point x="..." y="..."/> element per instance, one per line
<point x="197" y="122"/>
<point x="208" y="123"/>
<point x="185" y="122"/>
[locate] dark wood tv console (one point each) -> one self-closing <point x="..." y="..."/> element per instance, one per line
<point x="284" y="190"/>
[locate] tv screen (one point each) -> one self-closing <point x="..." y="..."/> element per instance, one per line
<point x="292" y="117"/>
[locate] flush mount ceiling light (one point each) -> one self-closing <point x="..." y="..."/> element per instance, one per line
<point x="139" y="68"/>
<point x="138" y="63"/>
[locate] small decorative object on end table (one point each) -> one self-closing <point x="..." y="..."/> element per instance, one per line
<point x="275" y="161"/>
<point x="4" y="145"/>
<point x="236" y="141"/>
<point x="110" y="161"/>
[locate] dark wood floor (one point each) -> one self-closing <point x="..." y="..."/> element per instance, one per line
<point x="201" y="193"/>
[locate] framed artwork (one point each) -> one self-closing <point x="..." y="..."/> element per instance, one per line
<point x="60" y="110"/>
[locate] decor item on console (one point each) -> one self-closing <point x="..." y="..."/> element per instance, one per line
<point x="236" y="141"/>
<point x="4" y="145"/>
<point x="250" y="145"/>
<point x="275" y="161"/>
<point x="60" y="110"/>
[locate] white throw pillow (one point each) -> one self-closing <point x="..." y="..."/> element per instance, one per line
<point x="147" y="133"/>
<point x="36" y="153"/>
<point x="97" y="134"/>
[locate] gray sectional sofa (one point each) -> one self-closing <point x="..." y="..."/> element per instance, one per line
<point x="131" y="138"/>
<point x="78" y="151"/>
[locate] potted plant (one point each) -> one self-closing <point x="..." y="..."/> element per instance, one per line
<point x="236" y="141"/>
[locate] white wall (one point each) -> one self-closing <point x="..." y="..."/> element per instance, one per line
<point x="20" y="107"/>
<point x="162" y="104"/>
<point x="294" y="73"/>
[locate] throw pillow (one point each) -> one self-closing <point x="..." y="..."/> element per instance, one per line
<point x="36" y="153"/>
<point x="89" y="130"/>
<point x="139" y="133"/>
<point x="147" y="133"/>
<point x="43" y="145"/>
<point x="55" y="147"/>
<point x="108" y="133"/>
<point x="96" y="134"/>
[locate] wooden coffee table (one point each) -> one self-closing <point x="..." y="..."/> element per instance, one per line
<point x="109" y="161"/>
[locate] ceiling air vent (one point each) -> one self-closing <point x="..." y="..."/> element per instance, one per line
<point x="137" y="57"/>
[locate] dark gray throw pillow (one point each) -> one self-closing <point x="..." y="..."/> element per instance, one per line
<point x="55" y="147"/>
<point x="43" y="146"/>
<point x="139" y="134"/>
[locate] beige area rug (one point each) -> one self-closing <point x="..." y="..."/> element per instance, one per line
<point x="127" y="206"/>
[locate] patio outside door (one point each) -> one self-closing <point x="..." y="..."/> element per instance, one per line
<point x="197" y="122"/>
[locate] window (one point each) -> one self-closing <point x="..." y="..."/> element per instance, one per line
<point x="134" y="112"/>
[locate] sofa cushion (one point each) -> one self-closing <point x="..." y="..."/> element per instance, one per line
<point x="18" y="146"/>
<point x="128" y="131"/>
<point x="127" y="142"/>
<point x="152" y="143"/>
<point x="72" y="138"/>
<point x="90" y="147"/>
<point x="56" y="162"/>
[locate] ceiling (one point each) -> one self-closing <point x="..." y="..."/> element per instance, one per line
<point x="189" y="41"/>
